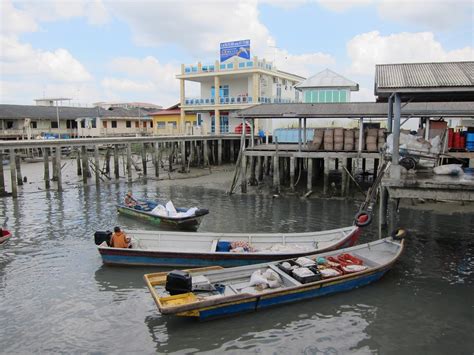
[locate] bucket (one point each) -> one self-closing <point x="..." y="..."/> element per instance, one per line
<point x="470" y="142"/>
<point x="450" y="137"/>
<point x="457" y="140"/>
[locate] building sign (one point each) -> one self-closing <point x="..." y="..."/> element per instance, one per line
<point x="235" y="49"/>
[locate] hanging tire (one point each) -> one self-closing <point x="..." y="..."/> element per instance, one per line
<point x="399" y="234"/>
<point x="408" y="163"/>
<point x="362" y="219"/>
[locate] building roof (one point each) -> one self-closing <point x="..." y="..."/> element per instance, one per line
<point x="357" y="110"/>
<point x="328" y="79"/>
<point x="65" y="112"/>
<point x="445" y="77"/>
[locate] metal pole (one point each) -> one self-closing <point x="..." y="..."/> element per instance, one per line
<point x="390" y="115"/>
<point x="299" y="134"/>
<point x="58" y="169"/>
<point x="395" y="168"/>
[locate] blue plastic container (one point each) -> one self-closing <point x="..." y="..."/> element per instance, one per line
<point x="470" y="142"/>
<point x="290" y="135"/>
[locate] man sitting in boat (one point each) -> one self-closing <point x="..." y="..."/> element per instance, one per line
<point x="129" y="200"/>
<point x="119" y="239"/>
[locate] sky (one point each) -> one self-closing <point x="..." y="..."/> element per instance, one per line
<point x="101" y="50"/>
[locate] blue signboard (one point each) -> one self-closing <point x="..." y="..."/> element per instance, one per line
<point x="235" y="49"/>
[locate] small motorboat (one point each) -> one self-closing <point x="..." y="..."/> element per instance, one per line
<point x="182" y="218"/>
<point x="212" y="292"/>
<point x="194" y="249"/>
<point x="5" y="235"/>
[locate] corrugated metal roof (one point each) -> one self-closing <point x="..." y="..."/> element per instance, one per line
<point x="424" y="75"/>
<point x="357" y="110"/>
<point x="328" y="78"/>
<point x="67" y="113"/>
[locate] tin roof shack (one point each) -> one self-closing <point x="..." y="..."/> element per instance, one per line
<point x="31" y="121"/>
<point x="399" y="84"/>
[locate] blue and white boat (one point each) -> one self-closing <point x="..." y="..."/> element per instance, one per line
<point x="214" y="292"/>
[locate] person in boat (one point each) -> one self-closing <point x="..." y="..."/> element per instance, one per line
<point x="129" y="200"/>
<point x="119" y="239"/>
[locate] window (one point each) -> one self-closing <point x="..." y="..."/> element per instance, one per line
<point x="307" y="96"/>
<point x="83" y="124"/>
<point x="249" y="64"/>
<point x="173" y="123"/>
<point x="54" y="124"/>
<point x="222" y="66"/>
<point x="199" y="119"/>
<point x="224" y="124"/>
<point x="137" y="124"/>
<point x="128" y="124"/>
<point x="241" y="65"/>
<point x="223" y="91"/>
<point x="9" y="124"/>
<point x="343" y="97"/>
<point x="94" y="123"/>
<point x="151" y="124"/>
<point x="322" y="96"/>
<point x="230" y="66"/>
<point x="34" y="124"/>
<point x="114" y="124"/>
<point x="160" y="124"/>
<point x="144" y="124"/>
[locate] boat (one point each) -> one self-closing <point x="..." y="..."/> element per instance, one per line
<point x="5" y="235"/>
<point x="181" y="221"/>
<point x="195" y="249"/>
<point x="212" y="292"/>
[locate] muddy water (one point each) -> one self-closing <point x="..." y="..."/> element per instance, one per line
<point x="56" y="296"/>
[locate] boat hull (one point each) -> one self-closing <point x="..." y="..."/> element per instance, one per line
<point x="224" y="259"/>
<point x="4" y="238"/>
<point x="290" y="296"/>
<point x="186" y="223"/>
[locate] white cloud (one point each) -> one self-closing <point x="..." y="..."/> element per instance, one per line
<point x="368" y="49"/>
<point x="303" y="64"/>
<point x="53" y="10"/>
<point x="435" y="14"/>
<point x="127" y="85"/>
<point x="23" y="61"/>
<point x="15" y="21"/>
<point x="342" y="5"/>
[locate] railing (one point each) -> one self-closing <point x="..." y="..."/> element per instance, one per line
<point x="238" y="100"/>
<point x="232" y="65"/>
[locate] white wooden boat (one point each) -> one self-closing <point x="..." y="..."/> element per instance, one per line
<point x="188" y="249"/>
<point x="211" y="292"/>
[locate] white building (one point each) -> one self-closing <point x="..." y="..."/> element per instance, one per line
<point x="241" y="83"/>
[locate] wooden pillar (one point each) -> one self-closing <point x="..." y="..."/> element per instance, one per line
<point x="116" y="162"/>
<point x="206" y="152"/>
<point x="78" y="162"/>
<point x="107" y="161"/>
<point x="97" y="164"/>
<point x="156" y="159"/>
<point x="344" y="177"/>
<point x="19" y="177"/>
<point x="232" y="151"/>
<point x="59" y="178"/>
<point x="2" y="177"/>
<point x="376" y="168"/>
<point x="144" y="159"/>
<point x="85" y="164"/>
<point x="129" y="162"/>
<point x="326" y="175"/>
<point x="383" y="206"/>
<point x="259" y="169"/>
<point x="243" y="174"/>
<point x="183" y="156"/>
<point x="13" y="173"/>
<point x="46" y="167"/>
<point x="276" y="174"/>
<point x="54" y="164"/>
<point x="219" y="152"/>
<point x="309" y="183"/>
<point x="253" y="179"/>
<point x="349" y="169"/>
<point x="292" y="173"/>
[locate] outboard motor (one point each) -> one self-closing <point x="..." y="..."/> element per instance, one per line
<point x="102" y="236"/>
<point x="178" y="282"/>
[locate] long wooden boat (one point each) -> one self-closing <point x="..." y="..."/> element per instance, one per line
<point x="206" y="249"/>
<point x="218" y="292"/>
<point x="143" y="211"/>
<point x="5" y="236"/>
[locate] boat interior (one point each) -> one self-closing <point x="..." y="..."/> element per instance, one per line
<point x="256" y="243"/>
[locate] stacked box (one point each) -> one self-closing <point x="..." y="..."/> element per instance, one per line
<point x="318" y="138"/>
<point x="348" y="139"/>
<point x="329" y="139"/>
<point x="338" y="138"/>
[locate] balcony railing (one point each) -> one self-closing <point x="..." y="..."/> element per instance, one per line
<point x="209" y="68"/>
<point x="238" y="100"/>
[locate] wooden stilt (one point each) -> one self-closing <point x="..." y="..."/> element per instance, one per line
<point x="116" y="161"/>
<point x="2" y="177"/>
<point x="59" y="178"/>
<point x="19" y="177"/>
<point x="344" y="177"/>
<point x="292" y="173"/>
<point x="276" y="174"/>
<point x="129" y="162"/>
<point x="144" y="167"/>
<point x="219" y="152"/>
<point x="78" y="162"/>
<point x="97" y="165"/>
<point x="46" y="167"/>
<point x="85" y="164"/>
<point x="326" y="176"/>
<point x="309" y="183"/>
<point x="243" y="172"/>
<point x="13" y="173"/>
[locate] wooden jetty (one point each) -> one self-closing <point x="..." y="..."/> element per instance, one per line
<point x="181" y="151"/>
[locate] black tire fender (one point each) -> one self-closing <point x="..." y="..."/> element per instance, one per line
<point x="362" y="224"/>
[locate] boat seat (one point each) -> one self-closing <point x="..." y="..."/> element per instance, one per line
<point x="284" y="276"/>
